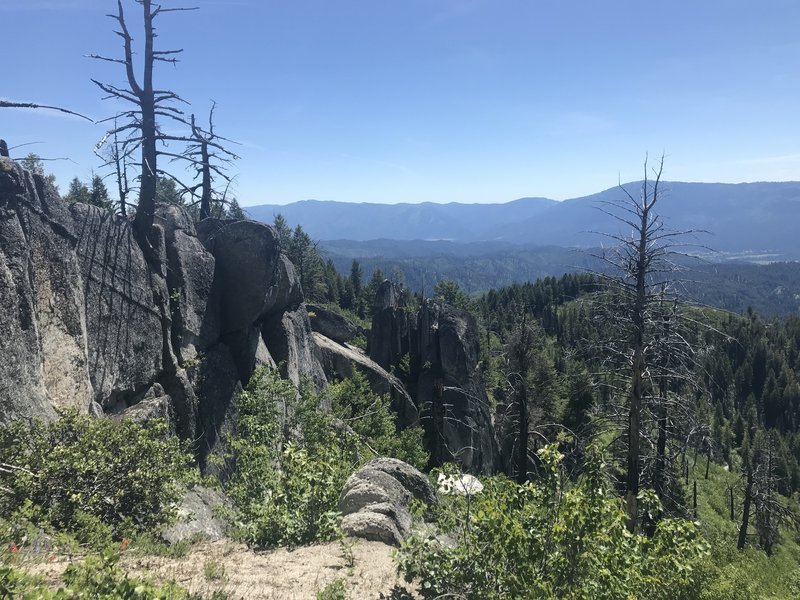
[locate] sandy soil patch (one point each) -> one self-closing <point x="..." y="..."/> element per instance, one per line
<point x="281" y="574"/>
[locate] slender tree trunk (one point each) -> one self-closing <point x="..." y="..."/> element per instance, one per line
<point x="659" y="480"/>
<point x="638" y="366"/>
<point x="748" y="497"/>
<point x="522" y="447"/>
<point x="205" y="199"/>
<point x="149" y="176"/>
<point x="733" y="515"/>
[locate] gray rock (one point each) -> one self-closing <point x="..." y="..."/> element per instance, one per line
<point x="285" y="293"/>
<point x="126" y="302"/>
<point x="375" y="500"/>
<point x="339" y="362"/>
<point x="150" y="410"/>
<point x="331" y="324"/>
<point x="289" y="339"/>
<point x="442" y="341"/>
<point x="248" y="261"/>
<point x="194" y="297"/>
<point x="460" y="426"/>
<point x="218" y="378"/>
<point x="373" y="526"/>
<point x="248" y="351"/>
<point x="43" y="330"/>
<point x="410" y="478"/>
<point x="390" y="333"/>
<point x="197" y="517"/>
<point x="369" y="486"/>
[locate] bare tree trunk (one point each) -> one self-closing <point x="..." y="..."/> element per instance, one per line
<point x="748" y="497"/>
<point x="522" y="449"/>
<point x="149" y="176"/>
<point x="638" y="365"/>
<point x="205" y="199"/>
<point x="659" y="478"/>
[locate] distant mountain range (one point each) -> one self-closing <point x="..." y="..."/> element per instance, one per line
<point x="758" y="221"/>
<point x="484" y="246"/>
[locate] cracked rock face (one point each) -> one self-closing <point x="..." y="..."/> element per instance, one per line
<point x="441" y="342"/>
<point x="43" y="329"/>
<point x="88" y="322"/>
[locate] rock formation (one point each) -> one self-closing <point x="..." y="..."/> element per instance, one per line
<point x="332" y="325"/>
<point x="339" y="362"/>
<point x="445" y="382"/>
<point x="89" y="323"/>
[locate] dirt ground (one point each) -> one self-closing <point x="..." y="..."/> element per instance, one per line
<point x="241" y="573"/>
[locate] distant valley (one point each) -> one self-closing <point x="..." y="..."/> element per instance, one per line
<point x="738" y="227"/>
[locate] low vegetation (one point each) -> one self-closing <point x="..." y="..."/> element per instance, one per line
<point x="292" y="459"/>
<point x="96" y="479"/>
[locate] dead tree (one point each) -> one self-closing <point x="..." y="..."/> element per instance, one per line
<point x="141" y="129"/>
<point x="117" y="157"/>
<point x="637" y="308"/>
<point x="209" y="158"/>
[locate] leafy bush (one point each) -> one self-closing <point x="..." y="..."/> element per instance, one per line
<point x="292" y="458"/>
<point x="290" y="464"/>
<point x="97" y="577"/>
<point x="333" y="591"/>
<point x="93" y="477"/>
<point x="549" y="540"/>
<point x="370" y="417"/>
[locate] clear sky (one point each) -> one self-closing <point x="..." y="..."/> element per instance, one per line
<point x="436" y="100"/>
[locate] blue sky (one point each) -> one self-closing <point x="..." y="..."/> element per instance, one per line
<point x="436" y="100"/>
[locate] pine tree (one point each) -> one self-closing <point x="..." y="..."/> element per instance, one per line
<point x="98" y="195"/>
<point x="78" y="192"/>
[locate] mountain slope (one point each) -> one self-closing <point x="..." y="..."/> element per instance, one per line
<point x="740" y="218"/>
<point x="327" y="220"/>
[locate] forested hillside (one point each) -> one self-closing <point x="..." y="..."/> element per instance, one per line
<point x="772" y="289"/>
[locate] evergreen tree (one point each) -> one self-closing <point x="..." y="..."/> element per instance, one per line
<point x="33" y="163"/>
<point x="78" y="192"/>
<point x="99" y="194"/>
<point x="234" y="211"/>
<point x="283" y="230"/>
<point x="167" y="191"/>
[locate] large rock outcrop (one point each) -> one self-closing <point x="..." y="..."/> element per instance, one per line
<point x="441" y="342"/>
<point x="43" y="330"/>
<point x="332" y="325"/>
<point x="91" y="323"/>
<point x="289" y="338"/>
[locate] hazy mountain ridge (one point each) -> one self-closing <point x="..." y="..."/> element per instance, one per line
<point x="746" y="217"/>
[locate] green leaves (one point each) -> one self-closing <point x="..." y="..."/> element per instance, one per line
<point x="552" y="539"/>
<point x="92" y="476"/>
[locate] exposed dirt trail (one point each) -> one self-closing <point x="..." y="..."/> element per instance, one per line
<point x="241" y="573"/>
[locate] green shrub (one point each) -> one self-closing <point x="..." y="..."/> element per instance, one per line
<point x="292" y="458"/>
<point x="290" y="464"/>
<point x="333" y="591"/>
<point x="370" y="417"/>
<point x="93" y="477"/>
<point x="551" y="540"/>
<point x="97" y="577"/>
